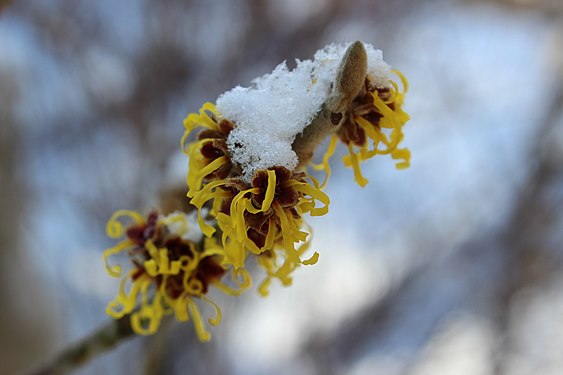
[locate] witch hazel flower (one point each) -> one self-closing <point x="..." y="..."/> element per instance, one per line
<point x="259" y="216"/>
<point x="375" y="114"/>
<point x="248" y="165"/>
<point x="172" y="269"/>
<point x="250" y="157"/>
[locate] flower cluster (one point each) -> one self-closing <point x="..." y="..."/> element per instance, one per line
<point x="376" y="114"/>
<point x="249" y="179"/>
<point x="172" y="268"/>
<point x="263" y="216"/>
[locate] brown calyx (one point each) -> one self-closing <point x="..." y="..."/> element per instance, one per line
<point x="216" y="147"/>
<point x="140" y="233"/>
<point x="284" y="195"/>
<point x="363" y="106"/>
<point x="207" y="271"/>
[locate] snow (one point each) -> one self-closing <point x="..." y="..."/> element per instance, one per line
<point x="271" y="112"/>
<point x="182" y="224"/>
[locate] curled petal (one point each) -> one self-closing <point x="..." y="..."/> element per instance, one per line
<point x="355" y="162"/>
<point x="312" y="260"/>
<point x="218" y="315"/>
<point x="115" y="271"/>
<point x="115" y="229"/>
<point x="263" y="289"/>
<point x="180" y="307"/>
<point x="147" y="320"/>
<point x="325" y="165"/>
<point x="199" y="326"/>
<point x="316" y="194"/>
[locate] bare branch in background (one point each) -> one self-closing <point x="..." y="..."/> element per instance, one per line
<point x="23" y="333"/>
<point x="526" y="238"/>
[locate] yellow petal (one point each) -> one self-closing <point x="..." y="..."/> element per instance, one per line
<point x="218" y="315"/>
<point x="360" y="179"/>
<point x="313" y="260"/>
<point x="270" y="191"/>
<point x="199" y="326"/>
<point x="115" y="271"/>
<point x="115" y="229"/>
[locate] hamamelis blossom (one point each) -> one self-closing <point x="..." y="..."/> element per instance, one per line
<point x="248" y="163"/>
<point x="248" y="178"/>
<point x="172" y="269"/>
<point x="262" y="216"/>
<point x="376" y="115"/>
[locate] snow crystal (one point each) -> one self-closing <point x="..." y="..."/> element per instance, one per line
<point x="278" y="106"/>
<point x="379" y="72"/>
<point x="184" y="225"/>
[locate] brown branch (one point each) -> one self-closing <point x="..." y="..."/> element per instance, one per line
<point x="79" y="353"/>
<point x="524" y="236"/>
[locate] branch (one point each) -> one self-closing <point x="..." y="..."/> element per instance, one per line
<point x="78" y="354"/>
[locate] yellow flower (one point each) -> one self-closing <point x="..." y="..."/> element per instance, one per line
<point x="247" y="179"/>
<point x="263" y="217"/>
<point x="170" y="272"/>
<point x="259" y="211"/>
<point x="377" y="115"/>
<point x="208" y="155"/>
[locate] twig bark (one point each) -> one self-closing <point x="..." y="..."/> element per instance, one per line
<point x="78" y="354"/>
<point x="523" y="236"/>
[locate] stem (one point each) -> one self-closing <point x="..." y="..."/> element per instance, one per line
<point x="83" y="351"/>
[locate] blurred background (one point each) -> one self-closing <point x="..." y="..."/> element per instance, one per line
<point x="454" y="266"/>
